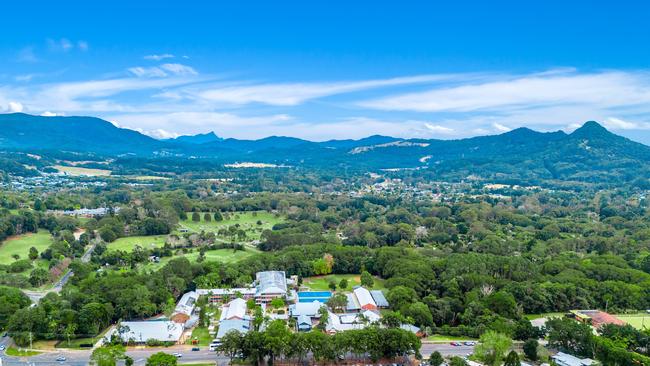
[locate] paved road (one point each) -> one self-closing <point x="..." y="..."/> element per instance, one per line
<point x="80" y="358"/>
<point x="36" y="296"/>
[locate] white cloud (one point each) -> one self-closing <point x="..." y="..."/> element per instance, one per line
<point x="291" y="94"/>
<point x="439" y="129"/>
<point x="59" y="45"/>
<point x="48" y="114"/>
<point x="27" y="55"/>
<point x="163" y="71"/>
<point x="501" y="128"/>
<point x="15" y="107"/>
<point x="158" y="57"/>
<point x="619" y="124"/>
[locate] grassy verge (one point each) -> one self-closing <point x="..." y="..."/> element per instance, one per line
<point x="447" y="338"/>
<point x="15" y="352"/>
<point x="202" y="335"/>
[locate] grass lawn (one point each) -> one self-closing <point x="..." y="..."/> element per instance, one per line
<point x="447" y="338"/>
<point x="78" y="171"/>
<point x="246" y="220"/>
<point x="20" y="245"/>
<point x="218" y="255"/>
<point x="321" y="283"/>
<point x="545" y="315"/>
<point x="128" y="243"/>
<point x="202" y="334"/>
<point x="636" y="320"/>
<point x="15" y="352"/>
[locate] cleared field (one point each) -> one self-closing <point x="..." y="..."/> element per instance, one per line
<point x="128" y="243"/>
<point x="321" y="283"/>
<point x="218" y="255"/>
<point x="20" y="245"/>
<point x="638" y="321"/>
<point x="78" y="171"/>
<point x="247" y="221"/>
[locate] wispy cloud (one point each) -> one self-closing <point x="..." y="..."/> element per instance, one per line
<point x="163" y="70"/>
<point x="158" y="57"/>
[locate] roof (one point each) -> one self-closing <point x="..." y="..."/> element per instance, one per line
<point x="353" y="304"/>
<point x="410" y="328"/>
<point x="226" y="291"/>
<point x="364" y="297"/>
<point x="309" y="309"/>
<point x="303" y="319"/>
<point x="236" y="309"/>
<point x="379" y="298"/>
<point x="565" y="359"/>
<point x="598" y="318"/>
<point x="348" y="321"/>
<point x="271" y="282"/>
<point x="141" y="331"/>
<point x="242" y="326"/>
<point x="187" y="303"/>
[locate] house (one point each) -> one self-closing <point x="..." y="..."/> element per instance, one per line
<point x="226" y="326"/>
<point x="565" y="359"/>
<point x="348" y="321"/>
<point x="219" y="295"/>
<point x="309" y="309"/>
<point x="595" y="318"/>
<point x="234" y="310"/>
<point x="379" y="298"/>
<point x="365" y="298"/>
<point x="304" y="323"/>
<point x="140" y="332"/>
<point x="270" y="285"/>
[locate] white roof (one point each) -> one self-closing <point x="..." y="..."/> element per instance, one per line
<point x="271" y="282"/>
<point x="309" y="309"/>
<point x="364" y="297"/>
<point x="565" y="359"/>
<point x="242" y="326"/>
<point x="141" y="331"/>
<point x="187" y="303"/>
<point x="226" y="291"/>
<point x="348" y="321"/>
<point x="236" y="309"/>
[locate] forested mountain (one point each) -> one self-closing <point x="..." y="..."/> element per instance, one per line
<point x="589" y="154"/>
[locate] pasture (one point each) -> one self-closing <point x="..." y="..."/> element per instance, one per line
<point x="20" y="245"/>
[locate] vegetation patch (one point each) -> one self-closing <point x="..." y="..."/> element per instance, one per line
<point x="322" y="283"/>
<point x="78" y="171"/>
<point x="129" y="242"/>
<point x="20" y="245"/>
<point x="15" y="352"/>
<point x="252" y="223"/>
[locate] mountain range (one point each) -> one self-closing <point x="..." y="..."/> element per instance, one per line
<point x="590" y="153"/>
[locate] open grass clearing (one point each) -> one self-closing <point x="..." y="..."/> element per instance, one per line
<point x="447" y="338"/>
<point x="321" y="283"/>
<point x="217" y="255"/>
<point x="247" y="221"/>
<point x="544" y="315"/>
<point x="78" y="171"/>
<point x="638" y="321"/>
<point x="202" y="335"/>
<point x="20" y="245"/>
<point x="129" y="242"/>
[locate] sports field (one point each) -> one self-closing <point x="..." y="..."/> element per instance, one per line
<point x="218" y="255"/>
<point x="20" y="245"/>
<point x="638" y="321"/>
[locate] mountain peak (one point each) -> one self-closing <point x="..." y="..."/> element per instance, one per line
<point x="591" y="129"/>
<point x="200" y="138"/>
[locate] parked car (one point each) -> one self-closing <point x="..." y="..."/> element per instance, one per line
<point x="61" y="358"/>
<point x="470" y="343"/>
<point x="196" y="349"/>
<point x="2" y="347"/>
<point x="177" y="355"/>
<point x="456" y="344"/>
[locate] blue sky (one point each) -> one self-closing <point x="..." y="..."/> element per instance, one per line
<point x="335" y="69"/>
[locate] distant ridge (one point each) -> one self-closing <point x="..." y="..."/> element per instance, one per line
<point x="590" y="153"/>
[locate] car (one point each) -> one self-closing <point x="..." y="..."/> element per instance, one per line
<point x="470" y="343"/>
<point x="2" y="347"/>
<point x="455" y="344"/>
<point x="177" y="355"/>
<point x="196" y="349"/>
<point x="61" y="358"/>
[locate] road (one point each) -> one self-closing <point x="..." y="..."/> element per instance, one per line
<point x="81" y="357"/>
<point x="36" y="296"/>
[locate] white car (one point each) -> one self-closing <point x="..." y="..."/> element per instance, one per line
<point x="2" y="347"/>
<point x="177" y="355"/>
<point x="60" y="358"/>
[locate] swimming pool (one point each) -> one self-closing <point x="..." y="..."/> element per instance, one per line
<point x="309" y="296"/>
